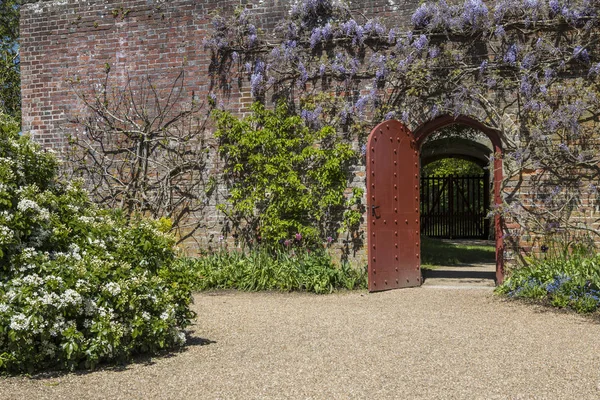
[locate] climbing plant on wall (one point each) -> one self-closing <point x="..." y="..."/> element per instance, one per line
<point x="141" y="147"/>
<point x="286" y="180"/>
<point x="527" y="68"/>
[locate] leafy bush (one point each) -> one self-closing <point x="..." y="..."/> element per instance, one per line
<point x="284" y="177"/>
<point x="565" y="280"/>
<point x="78" y="285"/>
<point x="263" y="269"/>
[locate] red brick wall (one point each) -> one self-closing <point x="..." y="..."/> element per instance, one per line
<point x="68" y="39"/>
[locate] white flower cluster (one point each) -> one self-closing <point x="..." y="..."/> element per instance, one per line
<point x="6" y="234"/>
<point x="19" y="322"/>
<point x="27" y="204"/>
<point x="112" y="288"/>
<point x="6" y="216"/>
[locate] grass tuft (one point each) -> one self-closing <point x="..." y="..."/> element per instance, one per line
<point x="264" y="269"/>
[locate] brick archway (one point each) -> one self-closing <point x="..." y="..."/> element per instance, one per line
<point x="427" y="128"/>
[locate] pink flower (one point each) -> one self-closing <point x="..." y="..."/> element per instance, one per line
<point x="298" y="237"/>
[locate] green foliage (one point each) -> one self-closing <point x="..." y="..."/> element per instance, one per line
<point x="264" y="269"/>
<point x="284" y="178"/>
<point x="10" y="79"/>
<point x="452" y="166"/>
<point x="78" y="285"/>
<point x="566" y="279"/>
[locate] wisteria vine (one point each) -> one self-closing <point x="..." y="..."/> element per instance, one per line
<point x="527" y="68"/>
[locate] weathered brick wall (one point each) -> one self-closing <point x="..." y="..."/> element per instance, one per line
<point x="75" y="39"/>
<point x="65" y="40"/>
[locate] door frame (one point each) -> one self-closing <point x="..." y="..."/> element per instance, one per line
<point x="427" y="128"/>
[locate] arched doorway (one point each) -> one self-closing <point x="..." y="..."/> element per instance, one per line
<point x="393" y="200"/>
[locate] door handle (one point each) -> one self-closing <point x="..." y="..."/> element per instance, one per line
<point x="373" y="207"/>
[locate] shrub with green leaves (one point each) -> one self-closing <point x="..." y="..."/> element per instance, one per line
<point x="78" y="285"/>
<point x="284" y="177"/>
<point x="268" y="269"/>
<point x="566" y="280"/>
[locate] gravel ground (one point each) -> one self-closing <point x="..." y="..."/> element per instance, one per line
<point x="426" y="343"/>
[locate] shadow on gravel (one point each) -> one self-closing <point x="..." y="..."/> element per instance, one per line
<point x="453" y="274"/>
<point x="145" y="360"/>
<point x="545" y="307"/>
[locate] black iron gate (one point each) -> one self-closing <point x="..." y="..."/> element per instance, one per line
<point x="455" y="206"/>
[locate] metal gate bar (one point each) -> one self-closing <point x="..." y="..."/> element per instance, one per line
<point x="454" y="206"/>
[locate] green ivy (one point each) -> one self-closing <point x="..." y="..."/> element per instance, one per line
<point x="285" y="180"/>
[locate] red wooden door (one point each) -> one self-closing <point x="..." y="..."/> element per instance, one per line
<point x="393" y="208"/>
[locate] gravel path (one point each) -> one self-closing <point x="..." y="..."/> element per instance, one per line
<point x="426" y="343"/>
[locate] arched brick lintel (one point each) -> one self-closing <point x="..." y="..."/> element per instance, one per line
<point x="427" y="128"/>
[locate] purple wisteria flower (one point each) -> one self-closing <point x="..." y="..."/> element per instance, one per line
<point x="554" y="7"/>
<point x="499" y="32"/>
<point x="392" y="35"/>
<point x="360" y="105"/>
<point x="483" y="66"/>
<point x="422" y="16"/>
<point x="363" y="150"/>
<point x="434" y="52"/>
<point x="474" y="12"/>
<point x="526" y="88"/>
<point x="511" y="55"/>
<point x="374" y="27"/>
<point x="256" y="81"/>
<point x="303" y="74"/>
<point x="315" y="37"/>
<point x="311" y="118"/>
<point x="421" y="42"/>
<point x="528" y="61"/>
<point x="580" y="53"/>
<point x="322" y="69"/>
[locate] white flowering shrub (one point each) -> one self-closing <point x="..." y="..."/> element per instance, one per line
<point x="78" y="285"/>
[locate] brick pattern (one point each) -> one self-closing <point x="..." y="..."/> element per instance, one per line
<point x="68" y="39"/>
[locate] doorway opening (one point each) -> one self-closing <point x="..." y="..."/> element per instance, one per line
<point x="472" y="245"/>
<point x="457" y="244"/>
<point x="394" y="157"/>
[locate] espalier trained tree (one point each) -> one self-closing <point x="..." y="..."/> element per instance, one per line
<point x="527" y="68"/>
<point x="78" y="285"/>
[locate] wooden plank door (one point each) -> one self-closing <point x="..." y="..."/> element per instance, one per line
<point x="393" y="208"/>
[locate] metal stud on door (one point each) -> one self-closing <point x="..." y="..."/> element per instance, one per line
<point x="393" y="208"/>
